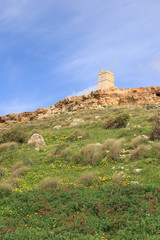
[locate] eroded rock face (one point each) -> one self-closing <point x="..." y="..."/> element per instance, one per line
<point x="36" y="139"/>
<point x="96" y="99"/>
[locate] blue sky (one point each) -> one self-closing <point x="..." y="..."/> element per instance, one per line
<point x="51" y="49"/>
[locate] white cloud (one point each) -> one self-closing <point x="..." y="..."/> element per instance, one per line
<point x="87" y="90"/>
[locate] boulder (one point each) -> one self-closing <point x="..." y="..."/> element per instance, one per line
<point x="36" y="139"/>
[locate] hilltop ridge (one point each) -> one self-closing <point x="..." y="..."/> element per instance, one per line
<point x="109" y="97"/>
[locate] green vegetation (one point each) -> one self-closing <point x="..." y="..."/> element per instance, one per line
<point x="89" y="181"/>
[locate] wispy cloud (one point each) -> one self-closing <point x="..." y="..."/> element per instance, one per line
<point x="87" y="90"/>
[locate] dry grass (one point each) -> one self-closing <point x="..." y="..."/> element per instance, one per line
<point x="20" y="171"/>
<point x="87" y="178"/>
<point x="12" y="181"/>
<point x="49" y="182"/>
<point x="76" y="157"/>
<point x="117" y="178"/>
<point x="108" y="144"/>
<point x="115" y="149"/>
<point x="59" y="149"/>
<point x="156" y="149"/>
<point x="65" y="153"/>
<point x="136" y="142"/>
<point x="8" y="146"/>
<point x="139" y="153"/>
<point x="91" y="154"/>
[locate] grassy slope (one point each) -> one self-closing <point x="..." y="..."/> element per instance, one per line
<point x="44" y="163"/>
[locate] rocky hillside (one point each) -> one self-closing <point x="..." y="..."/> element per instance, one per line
<point x="110" y="97"/>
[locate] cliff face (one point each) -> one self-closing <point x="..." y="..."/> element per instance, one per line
<point x="110" y="97"/>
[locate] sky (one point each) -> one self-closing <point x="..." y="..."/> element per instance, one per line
<point x="52" y="49"/>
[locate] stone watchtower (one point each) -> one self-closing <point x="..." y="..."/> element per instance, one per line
<point x="105" y="80"/>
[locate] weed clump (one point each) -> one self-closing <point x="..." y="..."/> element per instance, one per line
<point x="65" y="153"/>
<point x="117" y="122"/>
<point x="13" y="135"/>
<point x="90" y="154"/>
<point x="115" y="149"/>
<point x="87" y="179"/>
<point x="139" y="153"/>
<point x="59" y="149"/>
<point x="16" y="166"/>
<point x="18" y="172"/>
<point x="49" y="182"/>
<point x="136" y="142"/>
<point x="155" y="134"/>
<point x="4" y="147"/>
<point x="108" y="144"/>
<point x="117" y="178"/>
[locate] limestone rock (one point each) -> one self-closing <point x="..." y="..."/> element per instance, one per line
<point x="76" y="122"/>
<point x="137" y="170"/>
<point x="36" y="139"/>
<point x="145" y="137"/>
<point x="131" y="98"/>
<point x="57" y="127"/>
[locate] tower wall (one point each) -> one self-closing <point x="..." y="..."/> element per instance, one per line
<point x="105" y="80"/>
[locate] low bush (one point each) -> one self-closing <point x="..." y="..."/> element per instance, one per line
<point x="156" y="149"/>
<point x="87" y="179"/>
<point x="117" y="122"/>
<point x="8" y="146"/>
<point x="5" y="190"/>
<point x="117" y="178"/>
<point x="136" y="142"/>
<point x="155" y="134"/>
<point x="115" y="149"/>
<point x="49" y="182"/>
<point x="13" y="135"/>
<point x="90" y="154"/>
<point x="65" y="153"/>
<point x="59" y="149"/>
<point x="108" y="144"/>
<point x="77" y="158"/>
<point x="139" y="153"/>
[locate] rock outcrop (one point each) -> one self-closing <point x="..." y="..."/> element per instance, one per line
<point x="110" y="97"/>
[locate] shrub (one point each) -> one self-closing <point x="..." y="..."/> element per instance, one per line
<point x="115" y="149"/>
<point x="108" y="144"/>
<point x="49" y="182"/>
<point x="86" y="135"/>
<point x="59" y="149"/>
<point x="18" y="172"/>
<point x="87" y="178"/>
<point x="136" y="141"/>
<point x="65" y="152"/>
<point x="139" y="153"/>
<point x="117" y="122"/>
<point x="76" y="157"/>
<point x="155" y="134"/>
<point x="90" y="154"/>
<point x="156" y="149"/>
<point x="8" y="146"/>
<point x="117" y="178"/>
<point x="13" y="135"/>
<point x="5" y="190"/>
